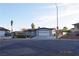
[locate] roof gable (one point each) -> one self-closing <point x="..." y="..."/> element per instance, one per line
<point x="3" y="29"/>
<point x="46" y="28"/>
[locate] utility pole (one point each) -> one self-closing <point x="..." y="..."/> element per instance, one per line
<point x="57" y="21"/>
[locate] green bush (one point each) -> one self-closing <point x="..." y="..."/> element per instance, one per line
<point x="20" y="36"/>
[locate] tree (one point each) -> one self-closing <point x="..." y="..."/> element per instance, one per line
<point x="11" y="25"/>
<point x="33" y="26"/>
<point x="65" y="29"/>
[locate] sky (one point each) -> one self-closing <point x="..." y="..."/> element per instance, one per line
<point x="41" y="14"/>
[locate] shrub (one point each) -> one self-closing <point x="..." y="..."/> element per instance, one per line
<point x="20" y="36"/>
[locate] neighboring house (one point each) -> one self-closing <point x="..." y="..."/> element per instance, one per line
<point x="76" y="27"/>
<point x="4" y="32"/>
<point x="40" y="33"/>
<point x="30" y="33"/>
<point x="73" y="34"/>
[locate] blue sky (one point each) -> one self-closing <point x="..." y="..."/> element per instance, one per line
<point x="42" y="14"/>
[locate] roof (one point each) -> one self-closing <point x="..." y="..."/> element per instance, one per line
<point x="29" y="30"/>
<point x="39" y="29"/>
<point x="3" y="29"/>
<point x="46" y="28"/>
<point x="76" y="24"/>
<point x="18" y="31"/>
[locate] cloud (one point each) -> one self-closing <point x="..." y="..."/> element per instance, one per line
<point x="69" y="9"/>
<point x="45" y="21"/>
<point x="68" y="14"/>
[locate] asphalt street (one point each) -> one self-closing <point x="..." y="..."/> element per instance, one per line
<point x="23" y="47"/>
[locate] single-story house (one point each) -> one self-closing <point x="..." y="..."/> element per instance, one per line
<point x="4" y="32"/>
<point x="45" y="32"/>
<point x="30" y="33"/>
<point x="40" y="33"/>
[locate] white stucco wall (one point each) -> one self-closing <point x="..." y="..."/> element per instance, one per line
<point x="2" y="33"/>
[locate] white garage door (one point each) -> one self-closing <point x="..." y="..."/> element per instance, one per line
<point x="44" y="33"/>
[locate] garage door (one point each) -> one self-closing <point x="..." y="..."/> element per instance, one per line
<point x="44" y="33"/>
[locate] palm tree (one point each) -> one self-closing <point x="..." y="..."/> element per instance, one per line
<point x="33" y="26"/>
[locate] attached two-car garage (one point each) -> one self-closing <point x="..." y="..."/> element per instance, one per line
<point x="44" y="33"/>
